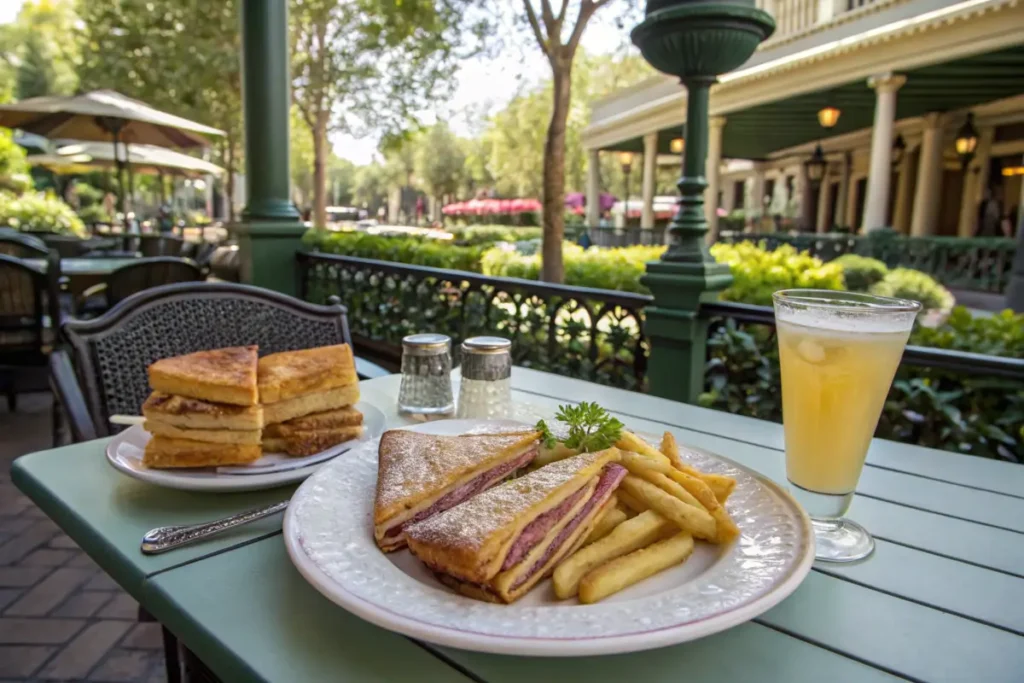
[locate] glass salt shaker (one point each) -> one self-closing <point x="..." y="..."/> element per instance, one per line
<point x="426" y="375"/>
<point x="486" y="389"/>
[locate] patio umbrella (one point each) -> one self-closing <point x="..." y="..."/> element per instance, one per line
<point x="73" y="155"/>
<point x="103" y="115"/>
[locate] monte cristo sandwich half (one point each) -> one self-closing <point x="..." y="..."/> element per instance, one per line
<point x="204" y="409"/>
<point x="308" y="398"/>
<point x="497" y="545"/>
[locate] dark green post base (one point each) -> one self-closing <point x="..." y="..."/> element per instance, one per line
<point x="268" y="254"/>
<point x="677" y="333"/>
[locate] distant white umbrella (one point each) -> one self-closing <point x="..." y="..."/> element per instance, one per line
<point x="72" y="156"/>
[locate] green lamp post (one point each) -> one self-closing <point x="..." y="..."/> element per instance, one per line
<point x="695" y="41"/>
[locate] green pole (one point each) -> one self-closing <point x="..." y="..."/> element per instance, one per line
<point x="694" y="41"/>
<point x="270" y="230"/>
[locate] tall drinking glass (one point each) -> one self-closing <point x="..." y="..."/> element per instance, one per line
<point x="839" y="352"/>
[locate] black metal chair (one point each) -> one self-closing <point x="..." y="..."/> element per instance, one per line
<point x="160" y="245"/>
<point x="144" y="273"/>
<point x="29" y="317"/>
<point x="21" y="245"/>
<point x="104" y="372"/>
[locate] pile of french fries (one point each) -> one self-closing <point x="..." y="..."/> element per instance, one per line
<point x="662" y="505"/>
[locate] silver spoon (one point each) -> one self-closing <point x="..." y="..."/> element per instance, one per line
<point x="164" y="538"/>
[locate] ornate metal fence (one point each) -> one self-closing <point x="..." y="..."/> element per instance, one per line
<point x="970" y="263"/>
<point x="587" y="333"/>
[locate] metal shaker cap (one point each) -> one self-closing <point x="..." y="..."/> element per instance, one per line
<point x="486" y="358"/>
<point x="426" y="344"/>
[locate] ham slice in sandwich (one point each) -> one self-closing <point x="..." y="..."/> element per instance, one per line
<point x="499" y="544"/>
<point x="422" y="475"/>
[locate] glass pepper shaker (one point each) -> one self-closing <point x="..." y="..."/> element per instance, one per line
<point x="426" y="375"/>
<point x="486" y="389"/>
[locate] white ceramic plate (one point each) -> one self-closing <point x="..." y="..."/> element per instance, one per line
<point x="125" y="451"/>
<point x="328" y="533"/>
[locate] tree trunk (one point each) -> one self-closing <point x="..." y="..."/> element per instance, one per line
<point x="320" y="170"/>
<point x="553" y="192"/>
<point x="229" y="183"/>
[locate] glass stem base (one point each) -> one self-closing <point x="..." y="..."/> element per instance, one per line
<point x="841" y="540"/>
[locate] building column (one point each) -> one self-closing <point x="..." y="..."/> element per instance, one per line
<point x="755" y="207"/>
<point x="270" y="230"/>
<point x="713" y="170"/>
<point x="649" y="180"/>
<point x="842" y="198"/>
<point x="881" y="149"/>
<point x="929" y="178"/>
<point x="593" y="187"/>
<point x="975" y="181"/>
<point x="822" y="222"/>
<point x="901" y="211"/>
<point x="802" y="188"/>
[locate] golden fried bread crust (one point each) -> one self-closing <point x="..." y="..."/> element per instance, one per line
<point x="289" y="374"/>
<point x="329" y="419"/>
<point x="220" y="375"/>
<point x="165" y="451"/>
<point x="289" y="409"/>
<point x="471" y="540"/>
<point x="413" y="467"/>
<point x="191" y="413"/>
<point x="242" y="436"/>
<point x="310" y="442"/>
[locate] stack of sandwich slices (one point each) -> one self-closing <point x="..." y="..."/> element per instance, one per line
<point x="308" y="398"/>
<point x="204" y="410"/>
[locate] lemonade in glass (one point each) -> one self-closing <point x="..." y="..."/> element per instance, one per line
<point x="838" y="353"/>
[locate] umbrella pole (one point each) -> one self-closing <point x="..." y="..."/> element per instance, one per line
<point x="131" y="179"/>
<point x="117" y="171"/>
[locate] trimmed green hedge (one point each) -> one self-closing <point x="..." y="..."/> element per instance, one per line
<point x="415" y="250"/>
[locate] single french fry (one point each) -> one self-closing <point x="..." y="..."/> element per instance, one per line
<point x="609" y="520"/>
<point x="638" y="565"/>
<point x="630" y="502"/>
<point x="628" y="441"/>
<point x="633" y="534"/>
<point x="546" y="456"/>
<point x="626" y="510"/>
<point x="720" y="485"/>
<point x="655" y="473"/>
<point x="695" y="520"/>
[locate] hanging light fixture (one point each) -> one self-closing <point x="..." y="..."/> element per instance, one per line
<point x="816" y="165"/>
<point x="899" y="150"/>
<point x="626" y="161"/>
<point x="828" y="116"/>
<point x="967" y="140"/>
<point x="677" y="145"/>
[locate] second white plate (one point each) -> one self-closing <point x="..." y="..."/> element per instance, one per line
<point x="124" y="452"/>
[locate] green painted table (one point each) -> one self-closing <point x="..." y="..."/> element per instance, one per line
<point x="83" y="273"/>
<point x="940" y="600"/>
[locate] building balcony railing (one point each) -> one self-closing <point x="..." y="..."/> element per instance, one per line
<point x="598" y="335"/>
<point x="796" y="17"/>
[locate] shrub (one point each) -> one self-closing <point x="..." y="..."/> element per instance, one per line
<point x="861" y="272"/>
<point x="14" y="171"/>
<point x="414" y="250"/>
<point x="619" y="269"/>
<point x="758" y="273"/>
<point x="94" y="213"/>
<point x="38" y="212"/>
<point x="905" y="283"/>
<point x="489" y="234"/>
<point x="1001" y="334"/>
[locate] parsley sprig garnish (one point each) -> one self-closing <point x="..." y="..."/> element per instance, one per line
<point x="591" y="428"/>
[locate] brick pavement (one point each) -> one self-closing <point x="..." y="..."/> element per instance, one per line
<point x="61" y="617"/>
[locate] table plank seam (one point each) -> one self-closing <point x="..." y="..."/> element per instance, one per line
<point x="776" y="449"/>
<point x="922" y="603"/>
<point x="446" y="659"/>
<point x="947" y="556"/>
<point x="836" y="651"/>
<point x="940" y="513"/>
<point x="215" y="553"/>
